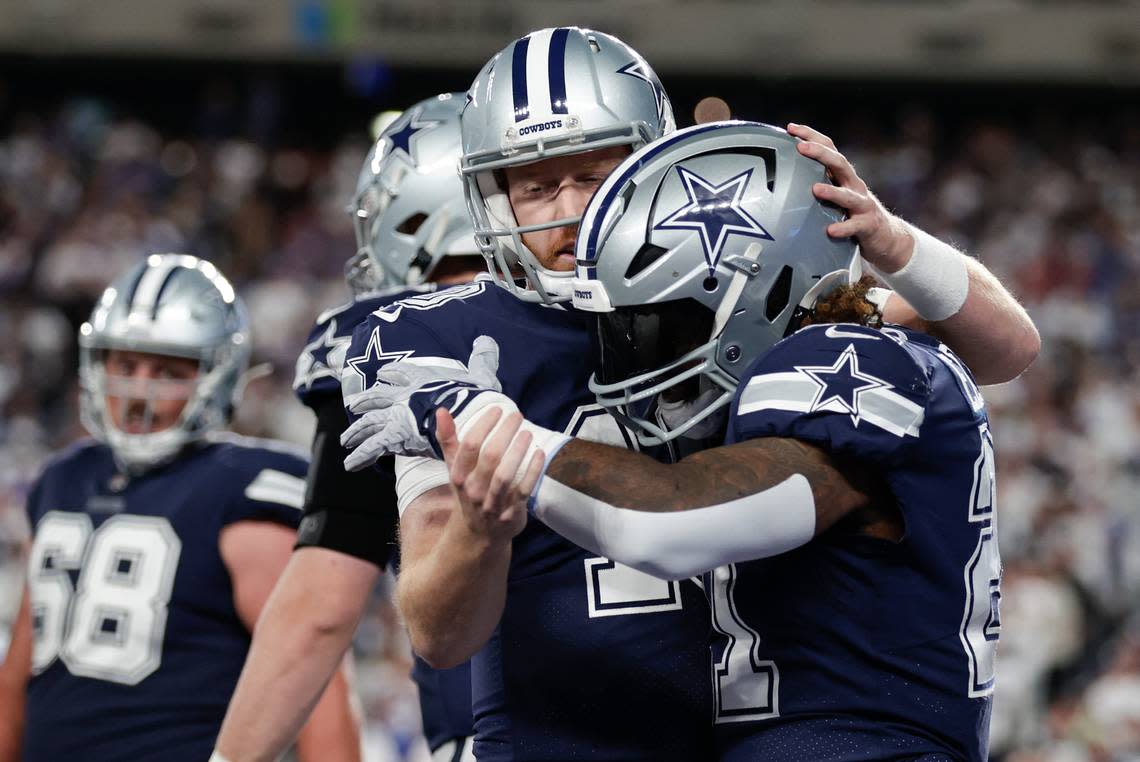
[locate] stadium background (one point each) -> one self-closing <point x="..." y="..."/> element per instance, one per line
<point x="234" y="130"/>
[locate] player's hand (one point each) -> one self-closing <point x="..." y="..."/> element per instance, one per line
<point x="882" y="237"/>
<point x="393" y="423"/>
<point x="400" y="380"/>
<point x="483" y="468"/>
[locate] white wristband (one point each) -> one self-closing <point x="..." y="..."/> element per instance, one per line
<point x="935" y="281"/>
<point x="550" y="442"/>
<point x="217" y="757"/>
<point x="415" y="476"/>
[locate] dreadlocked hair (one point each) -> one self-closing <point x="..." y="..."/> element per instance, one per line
<point x="847" y="304"/>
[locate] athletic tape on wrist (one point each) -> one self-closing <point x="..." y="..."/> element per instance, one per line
<point x="935" y="281"/>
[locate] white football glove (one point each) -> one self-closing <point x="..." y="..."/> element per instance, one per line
<point x="388" y="424"/>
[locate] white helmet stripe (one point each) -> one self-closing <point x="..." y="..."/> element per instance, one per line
<point x="149" y="289"/>
<point x="537" y="74"/>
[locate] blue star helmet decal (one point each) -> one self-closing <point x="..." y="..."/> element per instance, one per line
<point x="373" y="360"/>
<point x="409" y="127"/>
<point x="639" y="70"/>
<point x="714" y="211"/>
<point x="841" y="384"/>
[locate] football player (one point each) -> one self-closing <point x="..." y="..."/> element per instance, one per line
<point x="547" y="120"/>
<point x="846" y="522"/>
<point x="156" y="544"/>
<point x="411" y="226"/>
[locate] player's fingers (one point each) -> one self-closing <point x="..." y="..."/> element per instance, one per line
<point x="492" y="451"/>
<point x="363" y="428"/>
<point x="369" y="399"/>
<point x="852" y="227"/>
<point x="468" y="455"/>
<point x="836" y="163"/>
<point x="390" y="376"/>
<point x="804" y="132"/>
<point x="490" y="462"/>
<point x="500" y="491"/>
<point x="853" y="202"/>
<point x="445" y="434"/>
<point x="533" y="472"/>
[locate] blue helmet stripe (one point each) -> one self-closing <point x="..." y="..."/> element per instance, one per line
<point x="630" y="171"/>
<point x="130" y="296"/>
<point x="518" y="79"/>
<point x="557" y="69"/>
<point x="158" y="294"/>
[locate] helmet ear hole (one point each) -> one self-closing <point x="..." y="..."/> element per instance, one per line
<point x="645" y="256"/>
<point x="779" y="294"/>
<point x="411" y="223"/>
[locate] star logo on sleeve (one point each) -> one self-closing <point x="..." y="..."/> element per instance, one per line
<point x="314" y="360"/>
<point x="715" y="212"/>
<point x="407" y="128"/>
<point x="841" y="384"/>
<point x="369" y="364"/>
<point x="640" y="70"/>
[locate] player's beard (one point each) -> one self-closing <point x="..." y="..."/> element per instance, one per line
<point x="558" y="255"/>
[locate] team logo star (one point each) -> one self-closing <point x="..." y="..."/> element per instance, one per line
<point x="639" y="70"/>
<point x="715" y="212"/>
<point x="369" y="364"/>
<point x="409" y="127"/>
<point x="314" y="361"/>
<point x="841" y="384"/>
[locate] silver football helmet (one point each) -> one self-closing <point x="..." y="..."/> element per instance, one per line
<point x="170" y="304"/>
<point x="408" y="212"/>
<point x="553" y="92"/>
<point x="699" y="253"/>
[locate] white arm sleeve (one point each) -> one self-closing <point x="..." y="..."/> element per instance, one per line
<point x="415" y="476"/>
<point x="679" y="545"/>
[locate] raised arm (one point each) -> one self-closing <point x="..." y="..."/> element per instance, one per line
<point x="938" y="289"/>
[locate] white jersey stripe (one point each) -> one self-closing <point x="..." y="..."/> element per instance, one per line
<point x="272" y="486"/>
<point x="797" y="392"/>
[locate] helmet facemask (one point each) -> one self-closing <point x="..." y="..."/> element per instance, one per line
<point x="714" y="233"/>
<point x="557" y="92"/>
<point x="193" y="314"/>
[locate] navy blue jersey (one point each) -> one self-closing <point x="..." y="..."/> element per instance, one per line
<point x="591" y="660"/>
<point x="137" y="645"/>
<point x="445" y="696"/>
<point x="318" y="366"/>
<point x="851" y="648"/>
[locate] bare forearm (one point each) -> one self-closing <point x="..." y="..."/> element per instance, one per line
<point x="298" y="644"/>
<point x="14" y="671"/>
<point x="452" y="598"/>
<point x="992" y="333"/>
<point x="333" y="729"/>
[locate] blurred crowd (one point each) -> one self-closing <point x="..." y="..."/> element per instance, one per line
<point x="1053" y="210"/>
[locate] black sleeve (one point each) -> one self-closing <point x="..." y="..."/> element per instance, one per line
<point x="350" y="512"/>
